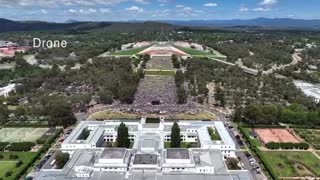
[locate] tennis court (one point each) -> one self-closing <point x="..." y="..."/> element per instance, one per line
<point x="21" y="134"/>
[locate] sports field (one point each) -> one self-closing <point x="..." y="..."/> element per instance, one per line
<point x="21" y="134"/>
<point x="293" y="163"/>
<point x="267" y="135"/>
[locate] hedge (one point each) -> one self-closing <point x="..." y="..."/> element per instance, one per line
<point x="263" y="126"/>
<point x="20" y="146"/>
<point x="274" y="145"/>
<point x="257" y="151"/>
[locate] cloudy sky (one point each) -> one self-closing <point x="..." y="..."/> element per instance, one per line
<point x="122" y="10"/>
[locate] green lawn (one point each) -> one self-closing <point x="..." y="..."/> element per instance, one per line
<point x="159" y="73"/>
<point x="7" y="164"/>
<point x="197" y="116"/>
<point x="194" y="52"/>
<point x="5" y="167"/>
<point x="128" y="52"/>
<point x="255" y="141"/>
<point x="183" y="145"/>
<point x="105" y="115"/>
<point x="292" y="163"/>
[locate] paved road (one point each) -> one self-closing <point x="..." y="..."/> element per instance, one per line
<point x="241" y="154"/>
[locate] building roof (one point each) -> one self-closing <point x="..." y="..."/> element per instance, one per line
<point x="145" y="159"/>
<point x="177" y="153"/>
<point x="113" y="153"/>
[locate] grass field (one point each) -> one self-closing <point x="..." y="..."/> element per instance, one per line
<point x="312" y="136"/>
<point x="293" y="163"/>
<point x="159" y="72"/>
<point x="128" y="52"/>
<point x="110" y="115"/>
<point x="7" y="164"/>
<point x="194" y="52"/>
<point x="197" y="116"/>
<point x="21" y="134"/>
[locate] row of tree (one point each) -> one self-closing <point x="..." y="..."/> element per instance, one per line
<point x="271" y="114"/>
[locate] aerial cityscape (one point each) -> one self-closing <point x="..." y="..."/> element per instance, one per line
<point x="159" y="90"/>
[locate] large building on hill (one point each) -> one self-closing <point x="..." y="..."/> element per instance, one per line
<point x="148" y="158"/>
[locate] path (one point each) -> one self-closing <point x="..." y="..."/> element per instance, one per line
<point x="295" y="59"/>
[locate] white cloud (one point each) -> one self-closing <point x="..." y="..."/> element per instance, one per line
<point x="134" y="8"/>
<point x="43" y="11"/>
<point x="243" y="9"/>
<point x="142" y="1"/>
<point x="55" y="3"/>
<point x="261" y="9"/>
<point x="211" y="5"/>
<point x="104" y="10"/>
<point x="268" y="2"/>
<point x="180" y="6"/>
<point x="72" y="10"/>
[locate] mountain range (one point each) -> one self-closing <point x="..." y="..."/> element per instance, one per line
<point x="138" y="26"/>
<point x="262" y="22"/>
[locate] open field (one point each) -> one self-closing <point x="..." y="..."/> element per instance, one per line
<point x="194" y="52"/>
<point x="312" y="136"/>
<point x="292" y="163"/>
<point x="21" y="134"/>
<point x="109" y="115"/>
<point x="128" y="52"/>
<point x="160" y="72"/>
<point x="8" y="164"/>
<point x="197" y="116"/>
<point x="267" y="135"/>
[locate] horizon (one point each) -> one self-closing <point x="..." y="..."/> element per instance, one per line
<point x="156" y="10"/>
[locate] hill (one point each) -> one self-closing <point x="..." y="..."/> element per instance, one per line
<point x="258" y="22"/>
<point x="9" y="26"/>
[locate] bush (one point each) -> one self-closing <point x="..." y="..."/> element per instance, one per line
<point x="8" y="173"/>
<point x="273" y="145"/>
<point x="20" y="146"/>
<point x="13" y="156"/>
<point x="19" y="163"/>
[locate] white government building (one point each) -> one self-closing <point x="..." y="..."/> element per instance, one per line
<point x="148" y="158"/>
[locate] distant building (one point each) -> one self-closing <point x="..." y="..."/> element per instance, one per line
<point x="9" y="49"/>
<point x="148" y="158"/>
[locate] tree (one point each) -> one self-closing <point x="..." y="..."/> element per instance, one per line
<point x="60" y="113"/>
<point x="175" y="136"/>
<point x="123" y="136"/>
<point x="106" y="96"/>
<point x="219" y="95"/>
<point x="61" y="159"/>
<point x="4" y="113"/>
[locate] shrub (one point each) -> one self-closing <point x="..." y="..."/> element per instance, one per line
<point x="20" y="146"/>
<point x="13" y="156"/>
<point x="8" y="173"/>
<point x="19" y="163"/>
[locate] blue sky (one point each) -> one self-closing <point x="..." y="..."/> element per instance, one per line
<point x="122" y="10"/>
